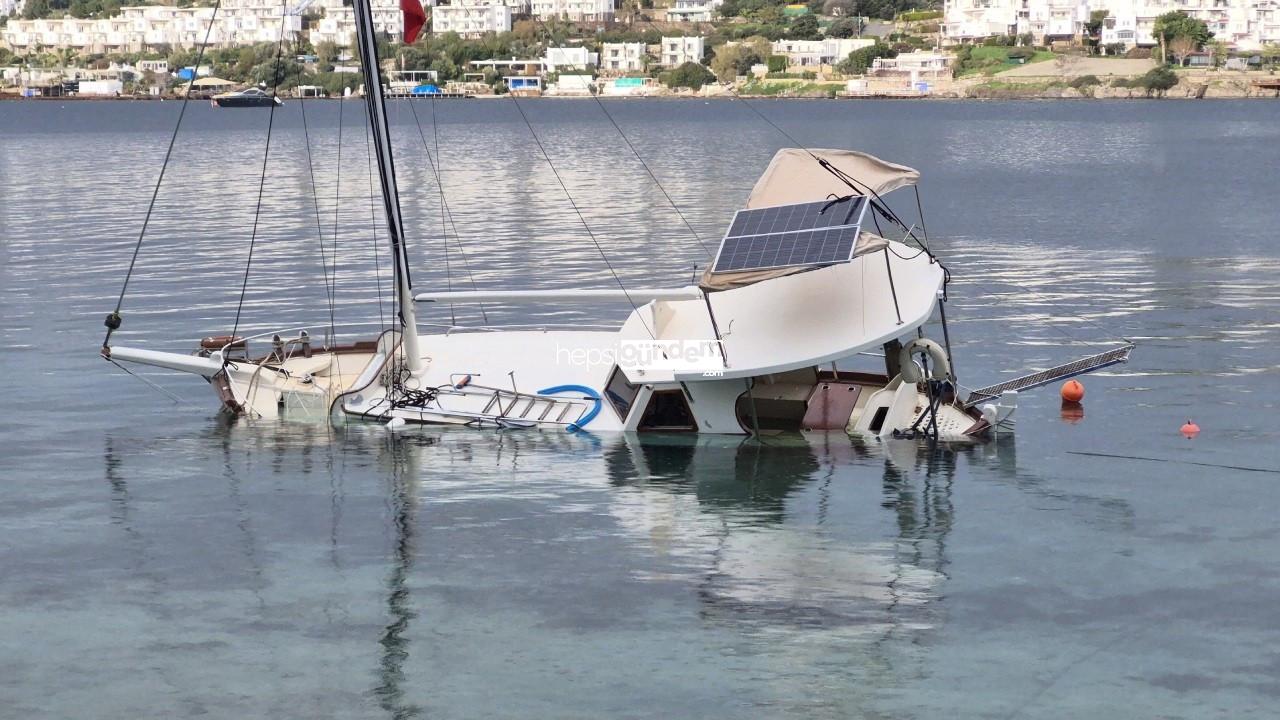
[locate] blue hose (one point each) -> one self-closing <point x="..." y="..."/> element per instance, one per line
<point x="591" y="395"/>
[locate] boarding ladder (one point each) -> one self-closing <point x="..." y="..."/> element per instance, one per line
<point x="522" y="408"/>
<point x="1085" y="365"/>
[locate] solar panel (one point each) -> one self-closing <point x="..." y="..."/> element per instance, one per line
<point x="814" y="233"/>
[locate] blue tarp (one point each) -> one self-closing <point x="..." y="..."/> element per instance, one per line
<point x="426" y="89"/>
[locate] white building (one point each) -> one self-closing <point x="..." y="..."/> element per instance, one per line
<point x="569" y="58"/>
<point x="470" y="21"/>
<point x="1243" y="24"/>
<point x="922" y="62"/>
<point x="338" y="25"/>
<point x="677" y="51"/>
<point x="573" y="9"/>
<point x="819" y="52"/>
<point x="965" y="20"/>
<point x="622" y="57"/>
<point x="102" y="88"/>
<point x="518" y="7"/>
<point x="1046" y="20"/>
<point x="693" y="10"/>
<point x="145" y="27"/>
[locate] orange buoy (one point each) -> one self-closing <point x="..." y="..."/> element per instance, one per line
<point x="1072" y="391"/>
<point x="1190" y="429"/>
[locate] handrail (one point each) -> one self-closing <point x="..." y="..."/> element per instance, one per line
<point x="447" y="328"/>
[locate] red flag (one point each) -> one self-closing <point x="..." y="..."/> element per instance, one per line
<point x="414" y="19"/>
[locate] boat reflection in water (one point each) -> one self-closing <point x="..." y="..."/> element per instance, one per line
<point x="757" y="534"/>
<point x="789" y="553"/>
<point x="759" y="513"/>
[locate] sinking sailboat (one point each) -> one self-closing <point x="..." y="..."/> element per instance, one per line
<point x="814" y="271"/>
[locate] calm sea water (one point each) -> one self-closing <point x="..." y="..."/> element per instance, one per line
<point x="159" y="561"/>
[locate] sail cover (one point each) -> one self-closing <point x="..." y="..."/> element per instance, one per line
<point x="794" y="177"/>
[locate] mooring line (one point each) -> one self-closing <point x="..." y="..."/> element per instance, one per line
<point x="1244" y="468"/>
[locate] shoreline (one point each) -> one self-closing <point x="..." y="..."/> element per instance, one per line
<point x="1002" y="94"/>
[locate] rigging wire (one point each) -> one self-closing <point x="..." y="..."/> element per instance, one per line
<point x="113" y="321"/>
<point x="446" y="212"/>
<point x="643" y="164"/>
<point x="373" y="217"/>
<point x="444" y="228"/>
<point x="154" y="386"/>
<point x="656" y="181"/>
<point x="600" y="249"/>
<point x="262" y="181"/>
<point x="330" y="281"/>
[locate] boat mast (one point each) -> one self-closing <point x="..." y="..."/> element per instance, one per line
<point x="368" y="41"/>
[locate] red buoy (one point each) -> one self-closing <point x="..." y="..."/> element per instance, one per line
<point x="1190" y="429"/>
<point x="1072" y="391"/>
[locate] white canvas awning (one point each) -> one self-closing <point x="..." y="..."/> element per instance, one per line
<point x="794" y="176"/>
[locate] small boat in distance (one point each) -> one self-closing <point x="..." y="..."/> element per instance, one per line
<point x="249" y="98"/>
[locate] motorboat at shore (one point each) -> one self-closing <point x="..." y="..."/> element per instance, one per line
<point x="248" y="98"/>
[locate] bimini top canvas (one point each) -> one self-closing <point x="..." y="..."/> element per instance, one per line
<point x="794" y="176"/>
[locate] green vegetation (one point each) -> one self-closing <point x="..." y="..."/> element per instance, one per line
<point x="792" y="89"/>
<point x="844" y="28"/>
<point x="734" y="60"/>
<point x="771" y="12"/>
<point x="917" y="15"/>
<point x="37" y="9"/>
<point x="1093" y="30"/>
<point x="804" y="27"/>
<point x="991" y="59"/>
<point x="1084" y="81"/>
<point x="689" y="75"/>
<point x="1155" y="83"/>
<point x="859" y="60"/>
<point x="1179" y="33"/>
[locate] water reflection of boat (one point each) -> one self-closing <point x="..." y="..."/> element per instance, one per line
<point x="756" y="519"/>
<point x="814" y="550"/>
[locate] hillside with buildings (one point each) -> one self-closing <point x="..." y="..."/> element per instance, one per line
<point x="967" y="48"/>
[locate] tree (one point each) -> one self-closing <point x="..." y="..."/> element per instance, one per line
<point x="35" y="9"/>
<point x="1270" y="53"/>
<point x="689" y="75"/>
<point x="844" y="28"/>
<point x="1181" y="46"/>
<point x="734" y="60"/>
<point x="1178" y="24"/>
<point x="859" y="60"/>
<point x="769" y="15"/>
<point x="1220" y="52"/>
<point x="326" y="56"/>
<point x="1093" y="30"/>
<point x="841" y="8"/>
<point x="804" y="27"/>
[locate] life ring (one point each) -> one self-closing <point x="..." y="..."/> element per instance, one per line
<point x="939" y="367"/>
<point x="589" y="394"/>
